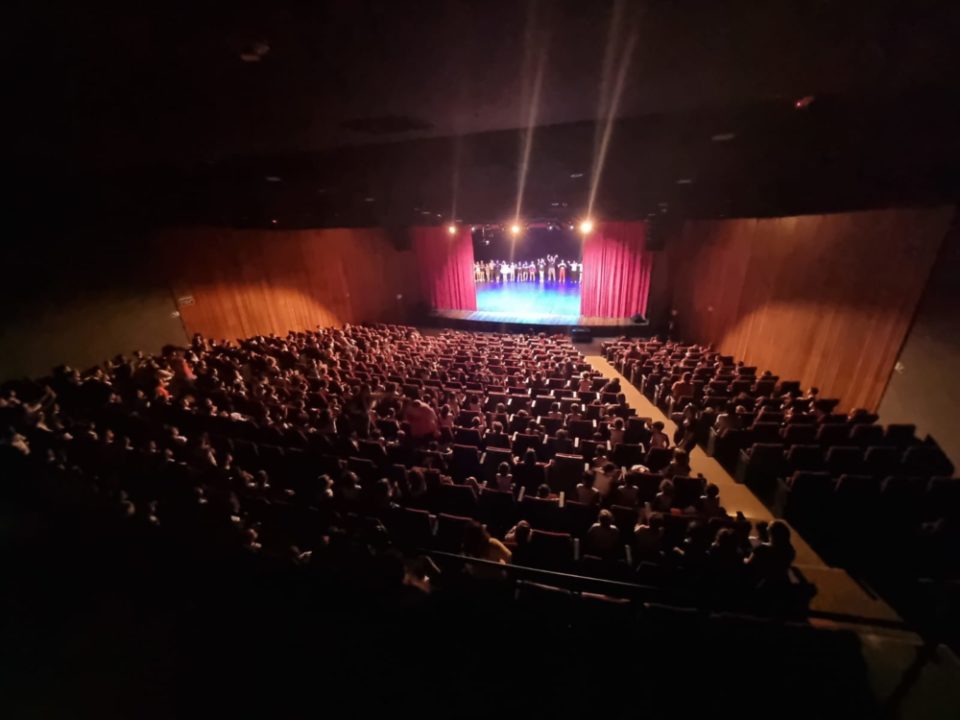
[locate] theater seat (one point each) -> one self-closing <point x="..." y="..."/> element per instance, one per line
<point x="497" y="510"/>
<point x="843" y="459"/>
<point x="410" y="529"/>
<point x="466" y="462"/>
<point x="578" y="517"/>
<point x="457" y="500"/>
<point x="565" y="472"/>
<point x="687" y="491"/>
<point x="551" y="550"/>
<point x="759" y="466"/>
<point x="882" y="461"/>
<point x="808" y="496"/>
<point x="804" y="457"/>
<point x="627" y="455"/>
<point x="866" y="435"/>
<point x="900" y="435"/>
<point x="542" y="514"/>
<point x="926" y="461"/>
<point x="941" y="499"/>
<point x="658" y="458"/>
<point x="799" y="434"/>
<point x="450" y="532"/>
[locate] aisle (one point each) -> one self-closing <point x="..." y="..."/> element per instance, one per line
<point x="837" y="591"/>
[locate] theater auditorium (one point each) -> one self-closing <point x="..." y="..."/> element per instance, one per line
<point x="481" y="359"/>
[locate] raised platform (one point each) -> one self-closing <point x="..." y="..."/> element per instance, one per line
<point x="489" y="321"/>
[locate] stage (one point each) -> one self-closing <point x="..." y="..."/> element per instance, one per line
<point x="549" y="303"/>
<point x="532" y="307"/>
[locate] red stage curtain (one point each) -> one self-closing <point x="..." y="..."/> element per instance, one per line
<point x="616" y="271"/>
<point x="445" y="264"/>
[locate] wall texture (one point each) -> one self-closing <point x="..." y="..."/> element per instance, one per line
<point x="824" y="299"/>
<point x="925" y="387"/>
<point x="248" y="282"/>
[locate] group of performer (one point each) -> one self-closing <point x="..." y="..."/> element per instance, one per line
<point x="548" y="269"/>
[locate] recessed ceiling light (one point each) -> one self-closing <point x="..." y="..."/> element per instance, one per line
<point x="272" y="178"/>
<point x="684" y="181"/>
<point x="723" y="137"/>
<point x="576" y="175"/>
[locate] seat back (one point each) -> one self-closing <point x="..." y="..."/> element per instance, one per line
<point x="832" y="434"/>
<point x="926" y="460"/>
<point x="658" y="458"/>
<point x="842" y="459"/>
<point x="457" y="500"/>
<point x="804" y="457"/>
<point x="578" y="517"/>
<point x="565" y="472"/>
<point x="550" y="550"/>
<point x="687" y="490"/>
<point x="882" y="461"/>
<point x="864" y="435"/>
<point x="540" y="513"/>
<point x="450" y="531"/>
<point x="901" y="435"/>
<point x="628" y="454"/>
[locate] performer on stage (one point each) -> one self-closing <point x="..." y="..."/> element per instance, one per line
<point x="542" y="268"/>
<point x="552" y="268"/>
<point x="562" y="271"/>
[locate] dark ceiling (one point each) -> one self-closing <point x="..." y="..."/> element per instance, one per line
<point x="346" y="112"/>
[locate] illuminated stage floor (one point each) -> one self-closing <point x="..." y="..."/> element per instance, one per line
<point x="548" y="304"/>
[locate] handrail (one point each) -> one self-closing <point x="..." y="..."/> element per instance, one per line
<point x="619" y="588"/>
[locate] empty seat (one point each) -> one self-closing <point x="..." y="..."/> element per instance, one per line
<point x="658" y="458"/>
<point x="926" y="460"/>
<point x="582" y="428"/>
<point x="760" y="462"/>
<point x="636" y="431"/>
<point x="457" y="500"/>
<point x="578" y="517"/>
<point x="941" y="499"/>
<point x="625" y="518"/>
<point x="900" y="499"/>
<point x="627" y="455"/>
<point x="565" y="472"/>
<point x="866" y="435"/>
<point x="466" y="462"/>
<point x="842" y="459"/>
<point x="804" y="457"/>
<point x="687" y="491"/>
<point x="808" y="496"/>
<point x="881" y="461"/>
<point x="467" y="436"/>
<point x="450" y="531"/>
<point x="554" y="445"/>
<point x="901" y="435"/>
<point x="541" y="513"/>
<point x="497" y="510"/>
<point x="799" y="434"/>
<point x="551" y="550"/>
<point x="410" y="528"/>
<point x="832" y="434"/>
<point x="855" y="498"/>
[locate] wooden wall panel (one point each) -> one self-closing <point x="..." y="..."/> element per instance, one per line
<point x="824" y="299"/>
<point x="248" y="282"/>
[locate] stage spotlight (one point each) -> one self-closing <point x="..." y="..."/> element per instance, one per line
<point x="586" y="227"/>
<point x="514" y="229"/>
<point x="452" y="229"/>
